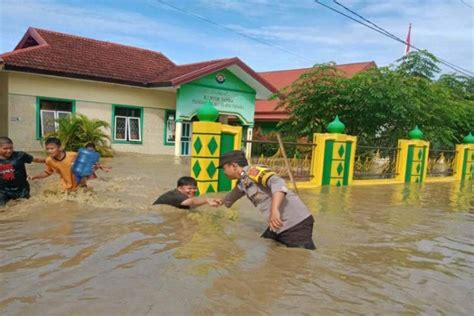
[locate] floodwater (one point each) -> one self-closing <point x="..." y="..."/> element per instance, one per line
<point x="381" y="250"/>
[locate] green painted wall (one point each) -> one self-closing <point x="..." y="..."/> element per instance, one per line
<point x="267" y="127"/>
<point x="228" y="93"/>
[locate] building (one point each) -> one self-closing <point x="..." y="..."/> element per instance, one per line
<point x="148" y="100"/>
<point x="267" y="115"/>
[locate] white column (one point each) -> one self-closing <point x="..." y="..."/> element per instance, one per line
<point x="248" y="147"/>
<point x="177" y="139"/>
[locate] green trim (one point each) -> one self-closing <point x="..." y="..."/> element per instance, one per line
<point x="219" y="88"/>
<point x="205" y="157"/>
<point x="114" y="106"/>
<point x="422" y="175"/>
<point x="327" y="163"/>
<point x="464" y="164"/>
<point x="409" y="163"/>
<point x="38" y="111"/>
<point x="239" y="116"/>
<point x="347" y="163"/>
<point x="165" y="132"/>
<point x="208" y="181"/>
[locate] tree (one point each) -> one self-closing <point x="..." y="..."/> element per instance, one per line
<point x="381" y="105"/>
<point x="77" y="130"/>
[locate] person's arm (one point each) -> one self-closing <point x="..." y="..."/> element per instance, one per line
<point x="232" y="196"/>
<point x="39" y="160"/>
<point x="46" y="173"/>
<point x="198" y="201"/>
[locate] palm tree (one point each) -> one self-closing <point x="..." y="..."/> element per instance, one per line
<point x="77" y="130"/>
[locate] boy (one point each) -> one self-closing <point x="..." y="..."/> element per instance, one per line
<point x="60" y="161"/>
<point x="184" y="196"/>
<point x="289" y="220"/>
<point x="13" y="178"/>
<point x="98" y="165"/>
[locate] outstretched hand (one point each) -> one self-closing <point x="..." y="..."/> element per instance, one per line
<point x="215" y="202"/>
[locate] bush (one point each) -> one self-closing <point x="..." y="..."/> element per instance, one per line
<point x="77" y="130"/>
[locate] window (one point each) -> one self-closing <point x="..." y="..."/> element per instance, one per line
<point x="127" y="123"/>
<point x="170" y="128"/>
<point x="49" y="111"/>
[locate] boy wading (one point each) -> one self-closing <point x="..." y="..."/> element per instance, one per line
<point x="290" y="221"/>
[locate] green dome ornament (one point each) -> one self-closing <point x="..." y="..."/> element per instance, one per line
<point x="336" y="126"/>
<point x="208" y="112"/>
<point x="415" y="133"/>
<point x="469" y="139"/>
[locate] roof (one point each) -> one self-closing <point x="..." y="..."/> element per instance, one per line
<point x="53" y="53"/>
<point x="266" y="109"/>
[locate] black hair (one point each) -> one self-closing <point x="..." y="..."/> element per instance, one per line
<point x="242" y="162"/>
<point x="90" y="145"/>
<point x="5" y="140"/>
<point x="53" y="140"/>
<point x="187" y="181"/>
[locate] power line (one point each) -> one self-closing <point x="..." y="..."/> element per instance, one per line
<point x="467" y="4"/>
<point x="382" y="31"/>
<point x="445" y="62"/>
<point x="207" y="20"/>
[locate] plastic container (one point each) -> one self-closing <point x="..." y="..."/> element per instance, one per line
<point x="84" y="164"/>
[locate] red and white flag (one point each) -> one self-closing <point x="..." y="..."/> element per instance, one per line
<point x="408" y="41"/>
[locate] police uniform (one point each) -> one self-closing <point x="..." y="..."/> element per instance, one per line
<point x="258" y="183"/>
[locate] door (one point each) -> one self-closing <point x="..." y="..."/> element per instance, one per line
<point x="227" y="144"/>
<point x="186" y="139"/>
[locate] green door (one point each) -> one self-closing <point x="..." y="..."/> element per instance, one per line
<point x="227" y="144"/>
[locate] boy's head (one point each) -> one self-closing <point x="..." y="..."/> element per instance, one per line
<point x="187" y="186"/>
<point x="53" y="146"/>
<point x="90" y="146"/>
<point x="233" y="163"/>
<point x="6" y="147"/>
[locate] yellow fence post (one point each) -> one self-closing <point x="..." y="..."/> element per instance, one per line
<point x="464" y="160"/>
<point x="205" y="149"/>
<point x="412" y="158"/>
<point x="333" y="156"/>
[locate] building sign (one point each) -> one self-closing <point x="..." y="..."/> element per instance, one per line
<point x="191" y="97"/>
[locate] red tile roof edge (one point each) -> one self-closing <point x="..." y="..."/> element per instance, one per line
<point x="369" y="63"/>
<point x="74" y="75"/>
<point x="221" y="64"/>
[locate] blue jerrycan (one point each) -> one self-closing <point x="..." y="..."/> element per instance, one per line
<point x="84" y="163"/>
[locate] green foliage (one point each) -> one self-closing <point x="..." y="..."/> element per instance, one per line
<point x="381" y="105"/>
<point x="77" y="130"/>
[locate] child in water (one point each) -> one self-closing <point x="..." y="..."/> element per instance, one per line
<point x="13" y="179"/>
<point x="184" y="196"/>
<point x="60" y="161"/>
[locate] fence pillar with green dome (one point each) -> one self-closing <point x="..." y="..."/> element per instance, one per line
<point x="412" y="158"/>
<point x="210" y="140"/>
<point x="205" y="149"/>
<point x="333" y="156"/>
<point x="464" y="163"/>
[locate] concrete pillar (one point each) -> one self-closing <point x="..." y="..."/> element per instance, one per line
<point x="177" y="144"/>
<point x="248" y="146"/>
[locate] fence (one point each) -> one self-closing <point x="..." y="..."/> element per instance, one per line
<point x="299" y="155"/>
<point x="441" y="162"/>
<point x="375" y="162"/>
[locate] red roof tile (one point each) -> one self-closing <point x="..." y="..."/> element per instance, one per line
<point x="47" y="52"/>
<point x="266" y="109"/>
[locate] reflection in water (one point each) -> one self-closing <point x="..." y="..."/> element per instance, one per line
<point x="384" y="249"/>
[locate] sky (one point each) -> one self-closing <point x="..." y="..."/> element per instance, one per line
<point x="299" y="33"/>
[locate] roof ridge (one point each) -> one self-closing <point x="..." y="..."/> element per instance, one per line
<point x="206" y="61"/>
<point x="23" y="50"/>
<point x="101" y="41"/>
<point x="337" y="65"/>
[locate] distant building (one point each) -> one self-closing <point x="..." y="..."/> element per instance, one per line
<point x="266" y="113"/>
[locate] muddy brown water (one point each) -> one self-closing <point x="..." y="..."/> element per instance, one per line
<point x="381" y="250"/>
